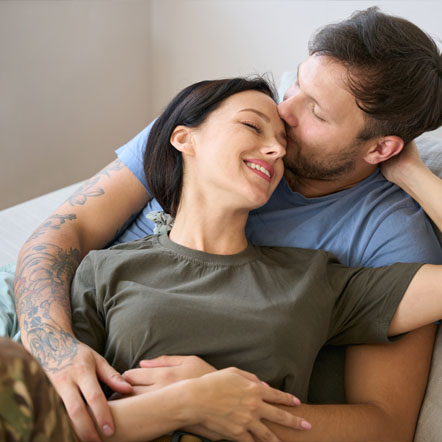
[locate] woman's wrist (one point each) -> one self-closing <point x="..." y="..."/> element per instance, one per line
<point x="188" y="404"/>
<point x="418" y="182"/>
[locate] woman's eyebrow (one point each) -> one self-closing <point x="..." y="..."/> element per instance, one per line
<point x="282" y="135"/>
<point x="257" y="112"/>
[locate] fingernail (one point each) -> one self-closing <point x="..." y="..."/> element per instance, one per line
<point x="306" y="426"/>
<point x="265" y="383"/>
<point x="107" y="430"/>
<point x="296" y="401"/>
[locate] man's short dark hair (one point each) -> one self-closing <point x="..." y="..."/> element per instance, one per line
<point x="394" y="71"/>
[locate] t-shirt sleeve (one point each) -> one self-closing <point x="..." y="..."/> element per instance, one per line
<point x="87" y="310"/>
<point x="404" y="234"/>
<point x="367" y="299"/>
<point x="132" y="154"/>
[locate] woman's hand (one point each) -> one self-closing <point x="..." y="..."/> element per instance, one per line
<point x="232" y="404"/>
<point x="165" y="370"/>
<point x="401" y="169"/>
<point x="162" y="371"/>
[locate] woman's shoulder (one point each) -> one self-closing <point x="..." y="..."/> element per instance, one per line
<point x="289" y="256"/>
<point x="145" y="244"/>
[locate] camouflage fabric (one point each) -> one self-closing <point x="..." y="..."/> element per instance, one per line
<point x="30" y="408"/>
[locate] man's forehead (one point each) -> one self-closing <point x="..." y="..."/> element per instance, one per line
<point x="322" y="80"/>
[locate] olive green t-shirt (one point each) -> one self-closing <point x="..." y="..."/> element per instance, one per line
<point x="267" y="310"/>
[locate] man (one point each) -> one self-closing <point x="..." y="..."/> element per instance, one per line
<point x="355" y="104"/>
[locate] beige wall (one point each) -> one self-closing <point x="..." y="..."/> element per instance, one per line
<point x="200" y="39"/>
<point x="74" y="85"/>
<point x="80" y="77"/>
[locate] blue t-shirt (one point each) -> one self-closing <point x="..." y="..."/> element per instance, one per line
<point x="372" y="224"/>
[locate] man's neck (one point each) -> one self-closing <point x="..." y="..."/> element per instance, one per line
<point x="311" y="188"/>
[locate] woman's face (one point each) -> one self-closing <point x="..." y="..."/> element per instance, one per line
<point x="239" y="150"/>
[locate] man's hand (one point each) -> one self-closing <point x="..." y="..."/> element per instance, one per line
<point x="165" y="370"/>
<point x="77" y="384"/>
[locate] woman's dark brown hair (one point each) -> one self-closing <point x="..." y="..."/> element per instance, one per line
<point x="162" y="162"/>
<point x="394" y="71"/>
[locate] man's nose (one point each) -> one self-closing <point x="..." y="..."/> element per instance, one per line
<point x="287" y="111"/>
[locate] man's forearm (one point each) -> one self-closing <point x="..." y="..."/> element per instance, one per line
<point x="44" y="272"/>
<point x="384" y="391"/>
<point x="340" y="423"/>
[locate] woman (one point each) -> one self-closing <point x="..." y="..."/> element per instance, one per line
<point x="230" y="386"/>
<point x="212" y="156"/>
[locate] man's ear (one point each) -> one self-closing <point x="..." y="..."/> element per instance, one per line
<point x="384" y="148"/>
<point x="182" y="140"/>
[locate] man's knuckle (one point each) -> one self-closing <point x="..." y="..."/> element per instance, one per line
<point x="93" y="397"/>
<point x="74" y="409"/>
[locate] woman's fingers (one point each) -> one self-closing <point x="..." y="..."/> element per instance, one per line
<point x="279" y="397"/>
<point x="262" y="433"/>
<point x="139" y="376"/>
<point x="270" y="394"/>
<point x="163" y="361"/>
<point x="278" y="416"/>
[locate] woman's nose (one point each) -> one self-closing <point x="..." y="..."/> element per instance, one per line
<point x="287" y="111"/>
<point x="274" y="149"/>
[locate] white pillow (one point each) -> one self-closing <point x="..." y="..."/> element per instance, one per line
<point x="286" y="80"/>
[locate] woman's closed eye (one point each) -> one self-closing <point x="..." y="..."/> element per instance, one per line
<point x="252" y="125"/>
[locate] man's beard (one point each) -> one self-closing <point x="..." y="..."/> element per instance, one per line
<point x="326" y="168"/>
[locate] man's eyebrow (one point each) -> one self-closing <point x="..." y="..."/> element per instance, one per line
<point x="257" y="112"/>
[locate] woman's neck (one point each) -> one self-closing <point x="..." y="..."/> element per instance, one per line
<point x="210" y="228"/>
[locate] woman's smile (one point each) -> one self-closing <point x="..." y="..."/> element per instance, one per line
<point x="261" y="168"/>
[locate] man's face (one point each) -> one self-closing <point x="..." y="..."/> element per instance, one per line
<point x="322" y="120"/>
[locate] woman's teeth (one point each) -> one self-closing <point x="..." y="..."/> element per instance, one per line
<point x="258" y="167"/>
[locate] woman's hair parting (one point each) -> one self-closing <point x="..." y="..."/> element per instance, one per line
<point x="162" y="162"/>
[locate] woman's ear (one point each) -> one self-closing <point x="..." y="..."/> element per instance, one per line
<point x="182" y="140"/>
<point x="383" y="149"/>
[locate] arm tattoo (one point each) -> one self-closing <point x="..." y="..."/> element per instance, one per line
<point x="49" y="270"/>
<point x="90" y="188"/>
<point x="54" y="222"/>
<point x="53" y="347"/>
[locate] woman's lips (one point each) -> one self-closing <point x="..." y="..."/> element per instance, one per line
<point x="261" y="168"/>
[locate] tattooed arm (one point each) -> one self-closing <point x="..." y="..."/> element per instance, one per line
<point x="88" y="220"/>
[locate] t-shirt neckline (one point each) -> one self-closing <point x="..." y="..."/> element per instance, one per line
<point x="249" y="254"/>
